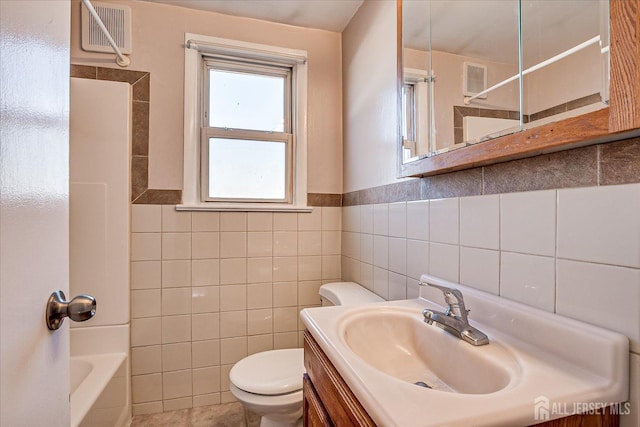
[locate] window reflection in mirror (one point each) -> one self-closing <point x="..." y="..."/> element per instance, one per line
<point x="461" y="62"/>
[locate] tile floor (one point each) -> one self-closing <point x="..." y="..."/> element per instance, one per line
<point x="225" y="415"/>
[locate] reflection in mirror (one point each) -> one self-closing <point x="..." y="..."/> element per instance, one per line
<point x="461" y="62"/>
<point x="565" y="49"/>
<point x="462" y="48"/>
<point x="418" y="84"/>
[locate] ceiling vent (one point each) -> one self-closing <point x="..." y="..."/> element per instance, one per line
<point x="474" y="80"/>
<point x="116" y="18"/>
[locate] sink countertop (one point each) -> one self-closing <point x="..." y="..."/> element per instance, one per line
<point x="558" y="358"/>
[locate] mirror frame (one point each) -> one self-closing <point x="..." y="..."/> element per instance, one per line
<point x="608" y="124"/>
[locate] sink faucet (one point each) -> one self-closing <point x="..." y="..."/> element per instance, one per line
<point x="454" y="320"/>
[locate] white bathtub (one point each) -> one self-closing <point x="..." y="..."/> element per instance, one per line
<point x="100" y="392"/>
<point x="98" y="389"/>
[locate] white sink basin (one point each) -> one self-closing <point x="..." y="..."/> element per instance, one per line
<point x="382" y="349"/>
<point x="397" y="342"/>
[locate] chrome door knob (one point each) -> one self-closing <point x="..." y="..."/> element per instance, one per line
<point x="79" y="309"/>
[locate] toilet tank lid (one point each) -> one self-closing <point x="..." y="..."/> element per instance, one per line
<point x="347" y="293"/>
<point x="270" y="372"/>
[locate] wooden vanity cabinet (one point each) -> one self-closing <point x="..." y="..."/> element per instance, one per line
<point x="328" y="401"/>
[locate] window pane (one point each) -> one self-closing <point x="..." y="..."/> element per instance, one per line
<point x="246" y="101"/>
<point x="246" y="169"/>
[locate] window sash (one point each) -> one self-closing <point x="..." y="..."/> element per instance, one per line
<point x="285" y="138"/>
<point x="409" y="105"/>
<point x="250" y="68"/>
<point x="208" y="132"/>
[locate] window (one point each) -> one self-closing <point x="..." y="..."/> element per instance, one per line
<point x="245" y="122"/>
<point x="408" y="121"/>
<point x="246" y="132"/>
<point x="417" y="134"/>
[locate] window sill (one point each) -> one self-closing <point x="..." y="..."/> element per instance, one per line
<point x="242" y="207"/>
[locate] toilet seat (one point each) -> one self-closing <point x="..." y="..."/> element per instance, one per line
<point x="280" y="400"/>
<point x="270" y="373"/>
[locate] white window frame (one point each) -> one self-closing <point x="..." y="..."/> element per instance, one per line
<point x="208" y="131"/>
<point x="196" y="48"/>
<point x="421" y="110"/>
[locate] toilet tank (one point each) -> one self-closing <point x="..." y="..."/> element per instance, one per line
<point x="346" y="293"/>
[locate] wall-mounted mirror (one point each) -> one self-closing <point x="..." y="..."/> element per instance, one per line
<point x="463" y="62"/>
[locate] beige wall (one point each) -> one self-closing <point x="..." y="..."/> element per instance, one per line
<point x="369" y="97"/>
<point x="158" y="38"/>
<point x="571" y="78"/>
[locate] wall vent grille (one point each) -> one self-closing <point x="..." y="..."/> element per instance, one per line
<point x="475" y="79"/>
<point x="116" y="18"/>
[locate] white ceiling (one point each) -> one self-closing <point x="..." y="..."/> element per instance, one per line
<point x="332" y="15"/>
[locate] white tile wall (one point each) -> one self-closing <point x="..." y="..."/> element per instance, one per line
<point x="145" y="303"/>
<point x="146" y="246"/>
<point x="418" y="220"/>
<point x="175" y="221"/>
<point x="311" y="221"/>
<point x="604" y="295"/>
<point x="331" y="218"/>
<point x="398" y="255"/>
<point x="397" y="286"/>
<point x="209" y="288"/>
<point x="176" y="356"/>
<point x="146" y="218"/>
<point x="381" y="251"/>
<point x="575" y="252"/>
<point x="607" y="215"/>
<point x="381" y="219"/>
<point x="146" y="275"/>
<point x="176" y="274"/>
<point x="219" y="286"/>
<point x="259" y="221"/>
<point x="529" y="279"/>
<point x="351" y="219"/>
<point x="366" y="219"/>
<point x="205" y="221"/>
<point x="528" y="222"/>
<point x="480" y="268"/>
<point x="366" y="248"/>
<point x="480" y="222"/>
<point x="444" y="220"/>
<point x="417" y="258"/>
<point x="444" y="261"/>
<point x="398" y="220"/>
<point x="146" y="360"/>
<point x="366" y="276"/>
<point x="381" y="282"/>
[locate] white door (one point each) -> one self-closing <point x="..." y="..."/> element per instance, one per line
<point x="34" y="205"/>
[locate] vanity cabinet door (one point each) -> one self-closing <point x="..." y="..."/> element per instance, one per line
<point x="314" y="414"/>
<point x="341" y="406"/>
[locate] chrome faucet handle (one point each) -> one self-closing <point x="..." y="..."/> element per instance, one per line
<point x="455" y="301"/>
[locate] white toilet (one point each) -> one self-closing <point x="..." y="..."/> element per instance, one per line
<point x="270" y="383"/>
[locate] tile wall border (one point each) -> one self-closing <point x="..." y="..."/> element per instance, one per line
<point x="140" y="85"/>
<point x="612" y="163"/>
